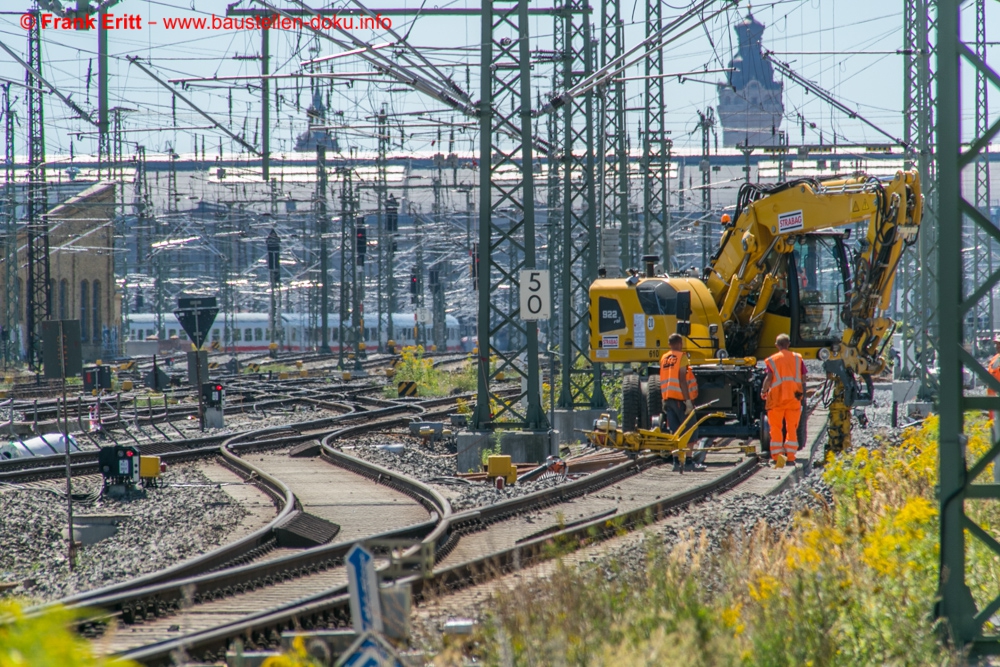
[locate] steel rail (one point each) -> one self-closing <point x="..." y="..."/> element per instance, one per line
<point x="168" y="596"/>
<point x="332" y="607"/>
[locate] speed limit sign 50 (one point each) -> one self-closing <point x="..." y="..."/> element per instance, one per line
<point x="536" y="295"/>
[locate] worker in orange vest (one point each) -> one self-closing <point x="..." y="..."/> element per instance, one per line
<point x="994" y="368"/>
<point x="783" y="389"/>
<point x="678" y="395"/>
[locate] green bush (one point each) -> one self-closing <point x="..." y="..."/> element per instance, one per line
<point x="46" y="640"/>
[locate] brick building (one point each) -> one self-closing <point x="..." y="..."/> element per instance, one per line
<point x="81" y="265"/>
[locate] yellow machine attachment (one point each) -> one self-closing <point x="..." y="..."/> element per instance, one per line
<point x="607" y="434"/>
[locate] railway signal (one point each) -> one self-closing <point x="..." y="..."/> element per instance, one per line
<point x="361" y="234"/>
<point x="274" y="257"/>
<point x="391" y="215"/>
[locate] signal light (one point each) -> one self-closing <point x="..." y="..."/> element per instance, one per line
<point x="361" y="235"/>
<point x="128" y="453"/>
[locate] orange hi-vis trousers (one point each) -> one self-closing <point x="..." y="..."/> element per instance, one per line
<point x="785" y="443"/>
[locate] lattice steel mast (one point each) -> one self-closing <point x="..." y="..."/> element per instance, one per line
<point x="918" y="296"/>
<point x="38" y="292"/>
<point x="966" y="617"/>
<point x="656" y="145"/>
<point x="580" y="387"/>
<point x="505" y="97"/>
<point x="11" y="312"/>
<point x="614" y="145"/>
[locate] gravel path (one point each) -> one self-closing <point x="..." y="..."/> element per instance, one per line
<point x="187" y="516"/>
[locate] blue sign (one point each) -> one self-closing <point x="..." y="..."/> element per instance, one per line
<point x="366" y="611"/>
<point x="370" y="650"/>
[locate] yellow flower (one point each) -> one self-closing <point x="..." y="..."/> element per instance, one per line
<point x="765" y="588"/>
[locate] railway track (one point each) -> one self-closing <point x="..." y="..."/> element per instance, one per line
<point x="481" y="544"/>
<point x="133" y="601"/>
<point x="464" y="557"/>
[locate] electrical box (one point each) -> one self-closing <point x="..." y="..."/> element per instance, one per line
<point x="119" y="465"/>
<point x="149" y="470"/>
<point x="500" y="466"/>
<point x="97" y="377"/>
<point x="213" y="394"/>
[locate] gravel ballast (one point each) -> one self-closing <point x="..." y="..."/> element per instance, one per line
<point x="431" y="464"/>
<point x="188" y="515"/>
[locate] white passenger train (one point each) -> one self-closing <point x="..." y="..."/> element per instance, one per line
<point x="251" y="331"/>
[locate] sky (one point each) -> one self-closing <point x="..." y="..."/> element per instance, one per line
<point x="847" y="47"/>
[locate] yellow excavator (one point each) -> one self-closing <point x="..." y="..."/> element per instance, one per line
<point x="812" y="258"/>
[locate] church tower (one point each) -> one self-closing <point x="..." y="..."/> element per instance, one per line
<point x="750" y="104"/>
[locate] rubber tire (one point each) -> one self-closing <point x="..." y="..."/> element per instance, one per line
<point x="631" y="402"/>
<point x="644" y="414"/>
<point x="654" y="400"/>
<point x="765" y="436"/>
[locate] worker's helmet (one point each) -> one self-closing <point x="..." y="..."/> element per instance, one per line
<point x="726" y="219"/>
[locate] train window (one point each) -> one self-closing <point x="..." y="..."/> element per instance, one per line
<point x="182" y="334"/>
<point x="248" y="334"/>
<point x="236" y="336"/>
<point x="258" y="334"/>
<point x="215" y="335"/>
<point x="295" y="337"/>
<point x="173" y="332"/>
<point x="267" y="333"/>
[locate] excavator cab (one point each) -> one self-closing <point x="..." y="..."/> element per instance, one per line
<point x="812" y="290"/>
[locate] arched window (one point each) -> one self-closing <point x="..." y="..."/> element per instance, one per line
<point x="84" y="310"/>
<point x="97" y="312"/>
<point x="63" y="295"/>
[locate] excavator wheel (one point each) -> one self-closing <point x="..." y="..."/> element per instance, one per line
<point x="631" y="402"/>
<point x="654" y="399"/>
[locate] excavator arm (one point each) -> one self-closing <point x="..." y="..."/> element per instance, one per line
<point x="743" y="270"/>
<point x="884" y="215"/>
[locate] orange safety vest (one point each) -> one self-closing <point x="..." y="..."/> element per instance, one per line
<point x="670" y="380"/>
<point x="994" y="368"/>
<point x="786" y="379"/>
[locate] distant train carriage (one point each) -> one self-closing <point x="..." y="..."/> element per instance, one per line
<point x="251" y="332"/>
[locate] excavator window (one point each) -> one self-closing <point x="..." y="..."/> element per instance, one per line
<point x="818" y="274"/>
<point x="657" y="297"/>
